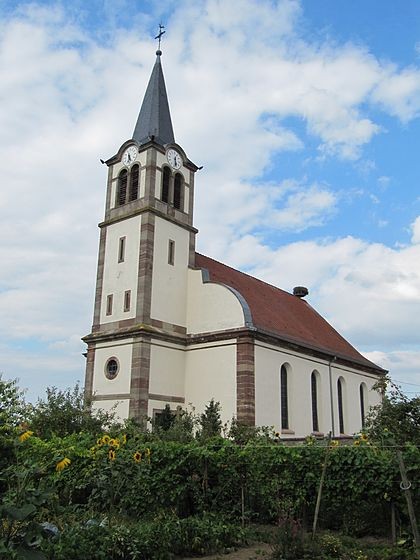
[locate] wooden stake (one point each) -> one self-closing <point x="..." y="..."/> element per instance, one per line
<point x="321" y="484"/>
<point x="405" y="487"/>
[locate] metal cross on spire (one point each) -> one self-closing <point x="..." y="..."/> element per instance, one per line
<point x="159" y="36"/>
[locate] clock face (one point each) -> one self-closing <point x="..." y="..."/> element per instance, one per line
<point x="174" y="158"/>
<point x="129" y="156"/>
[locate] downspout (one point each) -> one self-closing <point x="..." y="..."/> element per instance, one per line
<point x="333" y="359"/>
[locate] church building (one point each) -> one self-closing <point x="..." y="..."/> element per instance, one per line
<point x="172" y="326"/>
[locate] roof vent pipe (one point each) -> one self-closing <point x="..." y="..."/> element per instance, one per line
<point x="300" y="291"/>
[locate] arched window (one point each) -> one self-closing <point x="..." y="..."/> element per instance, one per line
<point x="178" y="191"/>
<point x="165" y="184"/>
<point x="362" y="394"/>
<point x="122" y="187"/>
<point x="314" y="398"/>
<point x="134" y="182"/>
<point x="340" y="391"/>
<point x="284" y="400"/>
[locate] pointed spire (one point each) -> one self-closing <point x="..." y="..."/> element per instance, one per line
<point x="154" y="118"/>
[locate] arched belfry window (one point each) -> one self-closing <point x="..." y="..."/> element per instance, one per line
<point x="165" y="184"/>
<point x="178" y="184"/>
<point x="314" y="400"/>
<point x="122" y="187"/>
<point x="362" y="396"/>
<point x="134" y="183"/>
<point x="340" y="397"/>
<point x="284" y="398"/>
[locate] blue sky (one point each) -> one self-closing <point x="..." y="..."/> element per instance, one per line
<point x="305" y="116"/>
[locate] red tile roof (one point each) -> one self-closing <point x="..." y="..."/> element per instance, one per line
<point x="283" y="315"/>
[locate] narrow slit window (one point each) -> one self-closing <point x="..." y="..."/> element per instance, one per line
<point x="284" y="405"/>
<point x="121" y="249"/>
<point x="362" y="404"/>
<point x="165" y="184"/>
<point x="340" y="406"/>
<point x="178" y="191"/>
<point x="122" y="187"/>
<point x="314" y="395"/>
<point x="171" y="252"/>
<point x="134" y="182"/>
<point x="109" y="301"/>
<point x="127" y="300"/>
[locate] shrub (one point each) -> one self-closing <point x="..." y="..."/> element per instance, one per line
<point x="158" y="539"/>
<point x="210" y="421"/>
<point x="65" y="412"/>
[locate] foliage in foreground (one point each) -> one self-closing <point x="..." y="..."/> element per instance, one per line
<point x="65" y="412"/>
<point x="164" y="537"/>
<point x="398" y="415"/>
<point x="183" y="480"/>
<point x="127" y="475"/>
<point x="291" y="543"/>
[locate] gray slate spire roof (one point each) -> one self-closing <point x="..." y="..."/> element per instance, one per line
<point x="154" y="117"/>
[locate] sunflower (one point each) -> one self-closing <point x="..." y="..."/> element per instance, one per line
<point x="114" y="443"/>
<point x="105" y="439"/>
<point x="334" y="443"/>
<point x="111" y="455"/>
<point x="357" y="442"/>
<point x="137" y="457"/>
<point x="124" y="439"/>
<point x="62" y="464"/>
<point x="26" y="435"/>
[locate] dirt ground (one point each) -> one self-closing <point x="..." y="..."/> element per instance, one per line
<point x="256" y="552"/>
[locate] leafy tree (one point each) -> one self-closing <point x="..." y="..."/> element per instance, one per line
<point x="397" y="416"/>
<point x="210" y="421"/>
<point x="65" y="412"/>
<point x="12" y="405"/>
<point x="12" y="414"/>
<point x="165" y="419"/>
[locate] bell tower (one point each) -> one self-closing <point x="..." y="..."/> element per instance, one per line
<point x="147" y="243"/>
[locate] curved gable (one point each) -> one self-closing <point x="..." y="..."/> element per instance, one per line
<point x="212" y="306"/>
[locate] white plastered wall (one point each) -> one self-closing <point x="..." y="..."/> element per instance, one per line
<point x="102" y="386"/>
<point x="211" y="307"/>
<point x="119" y="408"/>
<point x="211" y="373"/>
<point x="351" y="397"/>
<point x="121" y="276"/>
<point x="268" y="361"/>
<point x="167" y="369"/>
<point x="169" y="282"/>
<point x="122" y="351"/>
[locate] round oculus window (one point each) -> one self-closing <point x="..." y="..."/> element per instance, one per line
<point x="111" y="368"/>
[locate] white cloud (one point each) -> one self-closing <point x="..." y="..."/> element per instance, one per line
<point x="233" y="76"/>
<point x="399" y="92"/>
<point x="415" y="228"/>
<point x="304" y="208"/>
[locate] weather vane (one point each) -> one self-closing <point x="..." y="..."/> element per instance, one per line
<point x="159" y="35"/>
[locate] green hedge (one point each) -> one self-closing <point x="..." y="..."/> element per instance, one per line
<point x="259" y="481"/>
